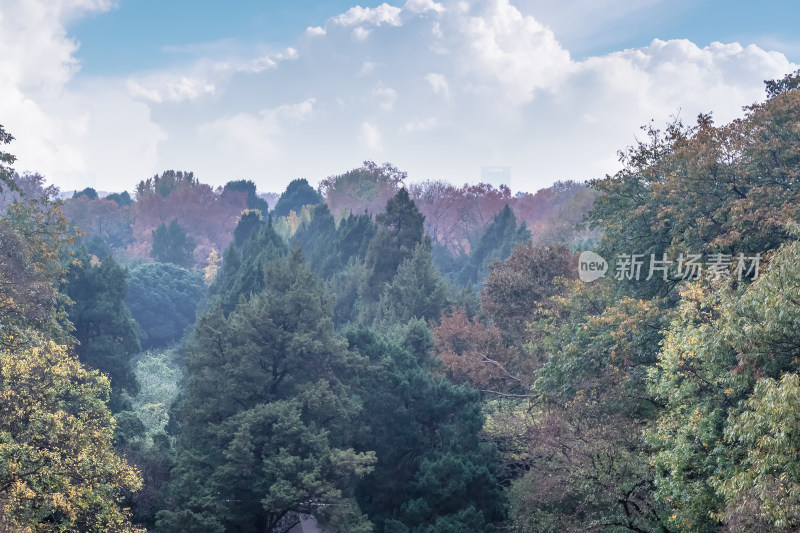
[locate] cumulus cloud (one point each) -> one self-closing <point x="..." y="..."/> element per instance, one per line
<point x="376" y="16"/>
<point x="438" y="88"/>
<point x="258" y="134"/>
<point x="386" y="96"/>
<point x="513" y="53"/>
<point x="63" y="128"/>
<point x="422" y="6"/>
<point x="438" y="83"/>
<point x="370" y="137"/>
<point x="316" y="31"/>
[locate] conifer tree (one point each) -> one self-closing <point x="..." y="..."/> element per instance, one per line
<point x="104" y="328"/>
<point x="433" y="472"/>
<point x="172" y="245"/>
<point x="400" y="229"/>
<point x="266" y="423"/>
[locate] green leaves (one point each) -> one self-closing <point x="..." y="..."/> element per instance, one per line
<point x="297" y="194"/>
<point x="432" y="470"/>
<point x="6" y="159"/>
<point x="266" y="423"/>
<point x="163" y="299"/>
<point x="765" y="486"/>
<point x="172" y="245"/>
<point x="400" y="229"/>
<point x="103" y="325"/>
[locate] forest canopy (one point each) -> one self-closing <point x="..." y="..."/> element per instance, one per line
<point x="381" y="355"/>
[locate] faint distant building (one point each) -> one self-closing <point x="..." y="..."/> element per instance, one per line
<point x="496" y="175"/>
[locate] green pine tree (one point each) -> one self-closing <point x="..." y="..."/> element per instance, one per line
<point x="172" y="245"/>
<point x="400" y="229"/>
<point x="267" y="423"/>
<point x="103" y="325"/>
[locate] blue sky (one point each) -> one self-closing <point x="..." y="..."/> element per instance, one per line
<point x="102" y="93"/>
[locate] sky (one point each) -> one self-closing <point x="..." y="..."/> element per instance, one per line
<point x="105" y="93"/>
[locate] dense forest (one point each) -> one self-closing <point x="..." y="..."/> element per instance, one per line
<point x="377" y="354"/>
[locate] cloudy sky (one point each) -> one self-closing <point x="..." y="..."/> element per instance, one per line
<point x="104" y="93"/>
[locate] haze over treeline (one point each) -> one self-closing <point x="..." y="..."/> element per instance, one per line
<point x="374" y="354"/>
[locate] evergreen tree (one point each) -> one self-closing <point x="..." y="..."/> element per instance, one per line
<point x="266" y="423"/>
<point x="163" y="299"/>
<point x="88" y="192"/>
<point x="172" y="245"/>
<point x="122" y="198"/>
<point x="496" y="244"/>
<point x="400" y="229"/>
<point x="253" y="201"/>
<point x="417" y="290"/>
<point x="353" y="236"/>
<point x="105" y="331"/>
<point x="168" y="181"/>
<point x="297" y="194"/>
<point x="318" y="241"/>
<point x="242" y="272"/>
<point x="433" y="472"/>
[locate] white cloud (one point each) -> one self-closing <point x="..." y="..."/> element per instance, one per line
<point x="385" y="95"/>
<point x="423" y="6"/>
<point x="74" y="134"/>
<point x="177" y="90"/>
<point x="315" y="31"/>
<point x="367" y="68"/>
<point x="370" y="137"/>
<point x="500" y="88"/>
<point x="420" y="125"/>
<point x="360" y="33"/>
<point x="511" y="52"/>
<point x="376" y="16"/>
<point x="438" y="83"/>
<point x="201" y="78"/>
<point x="259" y="134"/>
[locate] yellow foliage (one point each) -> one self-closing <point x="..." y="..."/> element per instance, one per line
<point x="210" y="272"/>
<point x="56" y="444"/>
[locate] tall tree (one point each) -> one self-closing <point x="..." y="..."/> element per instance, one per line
<point x="58" y="467"/>
<point x="400" y="229"/>
<point x="172" y="245"/>
<point x="242" y="271"/>
<point x="318" y="241"/>
<point x="417" y="290"/>
<point x="6" y="160"/>
<point x="104" y="328"/>
<point x="248" y="188"/>
<point x="725" y="377"/>
<point x="362" y="190"/>
<point x="33" y="240"/>
<point x="163" y="299"/>
<point x="518" y="288"/>
<point x="496" y="244"/>
<point x="266" y="421"/>
<point x="433" y="472"/>
<point x="297" y="194"/>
